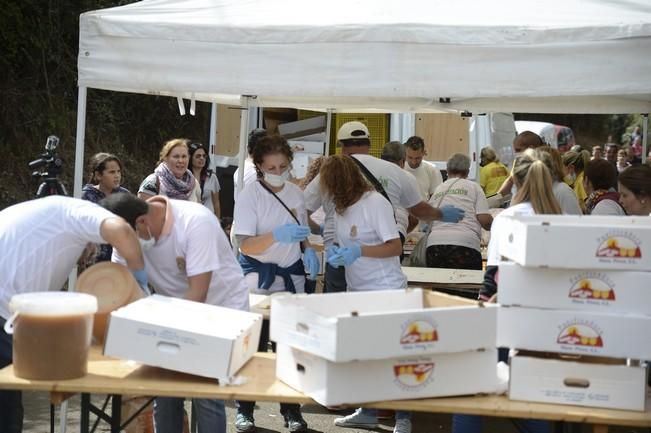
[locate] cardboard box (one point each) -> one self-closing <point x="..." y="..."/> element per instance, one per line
<point x="574" y="332"/>
<point x="578" y="242"/>
<point x="301" y="128"/>
<point x="382" y="324"/>
<point x="571" y="289"/>
<point x="333" y="383"/>
<point x="185" y="336"/>
<point x="583" y="381"/>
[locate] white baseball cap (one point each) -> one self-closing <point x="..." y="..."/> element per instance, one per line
<point x="352" y="130"/>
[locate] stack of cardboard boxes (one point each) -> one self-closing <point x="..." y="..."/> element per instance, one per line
<point x="576" y="305"/>
<point x="360" y="347"/>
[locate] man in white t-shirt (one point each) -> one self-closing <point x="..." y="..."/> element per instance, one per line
<point x="394" y="152"/>
<point x="425" y="172"/>
<point x="187" y="256"/>
<point x="41" y="241"/>
<point x="400" y="187"/>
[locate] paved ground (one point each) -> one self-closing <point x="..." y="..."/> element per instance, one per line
<point x="268" y="420"/>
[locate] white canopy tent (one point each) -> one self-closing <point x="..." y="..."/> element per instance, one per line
<point x="563" y="56"/>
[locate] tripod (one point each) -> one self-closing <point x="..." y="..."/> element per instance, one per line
<point x="50" y="186"/>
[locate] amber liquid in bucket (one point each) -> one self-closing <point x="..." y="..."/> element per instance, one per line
<point x="51" y="348"/>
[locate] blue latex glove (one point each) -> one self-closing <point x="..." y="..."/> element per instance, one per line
<point x="451" y="214"/>
<point x="141" y="277"/>
<point x="344" y="256"/>
<point x="290" y="233"/>
<point x="312" y="262"/>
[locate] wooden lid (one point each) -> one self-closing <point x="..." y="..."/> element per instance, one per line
<point x="111" y="283"/>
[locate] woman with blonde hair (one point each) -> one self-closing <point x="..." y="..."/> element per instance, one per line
<point x="575" y="163"/>
<point x="368" y="245"/>
<point x="564" y="194"/>
<point x="171" y="177"/>
<point x="534" y="182"/>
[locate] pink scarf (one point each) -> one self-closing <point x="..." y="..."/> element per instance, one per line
<point x="170" y="186"/>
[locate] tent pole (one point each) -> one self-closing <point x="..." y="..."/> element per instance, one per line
<point x="244" y="138"/>
<point x="79" y="141"/>
<point x="645" y="137"/>
<point x="326" y="151"/>
<point x="213" y="129"/>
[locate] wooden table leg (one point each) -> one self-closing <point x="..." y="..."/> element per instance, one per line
<point x="599" y="428"/>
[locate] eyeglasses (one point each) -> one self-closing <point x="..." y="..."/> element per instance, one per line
<point x="196" y="146"/>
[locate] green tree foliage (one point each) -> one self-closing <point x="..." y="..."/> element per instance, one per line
<point x="40" y="42"/>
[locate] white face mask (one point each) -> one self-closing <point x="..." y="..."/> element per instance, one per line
<point x="147" y="244"/>
<point x="276" y="180"/>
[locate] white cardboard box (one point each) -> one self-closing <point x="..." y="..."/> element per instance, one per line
<point x="578" y="242"/>
<point x="382" y="324"/>
<point x="333" y="383"/>
<point x="185" y="336"/>
<point x="587" y="381"/>
<point x="574" y="332"/>
<point x="574" y="289"/>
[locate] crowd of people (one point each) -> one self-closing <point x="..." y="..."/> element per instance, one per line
<point x="169" y="233"/>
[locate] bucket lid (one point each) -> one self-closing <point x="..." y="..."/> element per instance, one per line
<point x="53" y="303"/>
<point x="111" y="283"/>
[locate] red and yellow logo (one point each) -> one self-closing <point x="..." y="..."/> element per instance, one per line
<point x="618" y="246"/>
<point x="587" y="288"/>
<point x="413" y="374"/>
<point x="419" y="332"/>
<point x="580" y="335"/>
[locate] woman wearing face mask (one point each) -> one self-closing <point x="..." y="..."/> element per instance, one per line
<point x="171" y="177"/>
<point x="199" y="163"/>
<point x="105" y="180"/>
<point x="270" y="225"/>
<point x="575" y="163"/>
<point x="635" y="190"/>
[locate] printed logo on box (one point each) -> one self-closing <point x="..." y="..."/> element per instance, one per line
<point x="418" y="332"/>
<point x="580" y="336"/>
<point x="619" y="245"/>
<point x="413" y="375"/>
<point x="592" y="286"/>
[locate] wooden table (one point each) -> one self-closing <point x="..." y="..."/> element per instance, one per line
<point x="117" y="378"/>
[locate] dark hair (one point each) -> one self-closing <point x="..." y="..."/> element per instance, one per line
<point x="205" y="171"/>
<point x="601" y="173"/>
<point x="528" y="140"/>
<point x="269" y="145"/>
<point x="415" y="143"/>
<point x="125" y="205"/>
<point x="254" y="137"/>
<point x="355" y="142"/>
<point x="637" y="179"/>
<point x="97" y="163"/>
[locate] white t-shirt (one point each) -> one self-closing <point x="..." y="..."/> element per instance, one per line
<point x="608" y="207"/>
<point x="493" y="257"/>
<point x="210" y="186"/>
<point x="250" y="176"/>
<point x="463" y="194"/>
<point x="428" y="177"/>
<point x="41" y="241"/>
<point x="258" y="212"/>
<point x="566" y="198"/>
<point x="194" y="245"/>
<point x="370" y="222"/>
<point x="400" y="186"/>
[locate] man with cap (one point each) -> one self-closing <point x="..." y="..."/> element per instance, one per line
<point x="187" y="256"/>
<point x="41" y="241"/>
<point x="401" y="189"/>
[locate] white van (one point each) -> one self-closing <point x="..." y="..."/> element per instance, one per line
<point x="558" y="136"/>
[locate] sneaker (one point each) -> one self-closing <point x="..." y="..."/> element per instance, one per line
<point x="244" y="423"/>
<point x="294" y="420"/>
<point x="357" y="419"/>
<point x="403" y="425"/>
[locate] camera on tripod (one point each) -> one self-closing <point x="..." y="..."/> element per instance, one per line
<point x="47" y="167"/>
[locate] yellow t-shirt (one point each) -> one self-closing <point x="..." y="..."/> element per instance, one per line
<point x="579" y="190"/>
<point x="492" y="176"/>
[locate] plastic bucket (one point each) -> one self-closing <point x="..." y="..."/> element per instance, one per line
<point x="113" y="286"/>
<point x="51" y="334"/>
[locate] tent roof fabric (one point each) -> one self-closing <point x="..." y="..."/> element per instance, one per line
<point x="581" y="56"/>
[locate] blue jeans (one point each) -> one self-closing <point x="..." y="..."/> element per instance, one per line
<point x="399" y="413"/>
<point x="168" y="415"/>
<point x="474" y="424"/>
<point x="334" y="279"/>
<point x="11" y="402"/>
